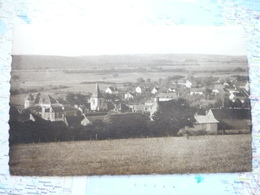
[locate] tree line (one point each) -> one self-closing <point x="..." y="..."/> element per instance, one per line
<point x="168" y="120"/>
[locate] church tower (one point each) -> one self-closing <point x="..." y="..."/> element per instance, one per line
<point x="97" y="100"/>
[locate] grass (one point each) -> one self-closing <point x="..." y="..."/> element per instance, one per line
<point x="169" y="155"/>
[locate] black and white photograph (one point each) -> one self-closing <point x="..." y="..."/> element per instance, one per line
<point x="129" y="100"/>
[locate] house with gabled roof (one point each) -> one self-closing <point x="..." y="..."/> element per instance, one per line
<point x="197" y="91"/>
<point x="185" y="83"/>
<point x="205" y="124"/>
<point x="45" y="100"/>
<point x="218" y="88"/>
<point x="237" y="95"/>
<point x="129" y="96"/>
<point x="42" y="100"/>
<point x="208" y="123"/>
<point x="112" y="90"/>
<point x="155" y="90"/>
<point x="57" y="113"/>
<point x="171" y="90"/>
<point x="140" y="108"/>
<point x="235" y="119"/>
<point x="76" y="121"/>
<point x="167" y="96"/>
<point x="29" y="101"/>
<point x="139" y="89"/>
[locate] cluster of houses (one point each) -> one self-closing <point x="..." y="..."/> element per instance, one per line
<point x="49" y="108"/>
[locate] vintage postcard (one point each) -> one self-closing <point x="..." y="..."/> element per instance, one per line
<point x="124" y="100"/>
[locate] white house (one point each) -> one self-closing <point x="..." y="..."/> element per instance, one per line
<point x="112" y="90"/>
<point x="154" y="90"/>
<point x="139" y="89"/>
<point x="85" y="121"/>
<point x="186" y="83"/>
<point x="196" y="91"/>
<point x="167" y="96"/>
<point x="171" y="90"/>
<point x="129" y="96"/>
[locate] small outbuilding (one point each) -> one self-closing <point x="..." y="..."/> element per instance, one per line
<point x="207" y="122"/>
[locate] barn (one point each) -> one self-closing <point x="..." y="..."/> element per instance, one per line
<point x="232" y="119"/>
<point x="207" y="123"/>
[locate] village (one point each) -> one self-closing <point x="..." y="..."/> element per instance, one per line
<point x="197" y="105"/>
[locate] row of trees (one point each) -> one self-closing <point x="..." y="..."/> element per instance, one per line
<point x="171" y="116"/>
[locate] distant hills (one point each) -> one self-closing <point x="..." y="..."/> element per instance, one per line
<point x="32" y="62"/>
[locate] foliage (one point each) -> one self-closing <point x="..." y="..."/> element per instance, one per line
<point x="172" y="116"/>
<point x="140" y="80"/>
<point x="191" y="132"/>
<point x="76" y="98"/>
<point x="127" y="125"/>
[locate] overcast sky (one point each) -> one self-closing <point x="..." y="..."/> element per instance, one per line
<point x="76" y="40"/>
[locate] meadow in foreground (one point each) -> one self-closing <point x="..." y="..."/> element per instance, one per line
<point x="168" y="155"/>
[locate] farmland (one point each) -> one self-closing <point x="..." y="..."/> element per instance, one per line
<point x="168" y="155"/>
<point x="59" y="75"/>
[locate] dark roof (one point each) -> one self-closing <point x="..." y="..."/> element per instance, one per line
<point x="167" y="95"/>
<point x="62" y="101"/>
<point x="122" y="107"/>
<point x="221" y="114"/>
<point x="110" y="106"/>
<point x="38" y="118"/>
<point x="74" y="120"/>
<point x="62" y="108"/>
<point x="131" y="93"/>
<point x="112" y="88"/>
<point x="52" y="100"/>
<point x="97" y="93"/>
<point x="236" y="124"/>
<point x="46" y="99"/>
<point x="37" y="99"/>
<point x="241" y="83"/>
<point x="36" y="109"/>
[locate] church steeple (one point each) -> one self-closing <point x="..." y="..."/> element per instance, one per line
<point x="97" y="93"/>
<point x="97" y="100"/>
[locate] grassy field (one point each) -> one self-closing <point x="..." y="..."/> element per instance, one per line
<point x="201" y="154"/>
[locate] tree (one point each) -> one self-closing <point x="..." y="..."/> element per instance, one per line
<point x="171" y="117"/>
<point x="238" y="69"/>
<point x="15" y="77"/>
<point x="140" y="80"/>
<point x="218" y="103"/>
<point x="78" y="98"/>
<point x="227" y="103"/>
<point x="246" y="103"/>
<point x="127" y="125"/>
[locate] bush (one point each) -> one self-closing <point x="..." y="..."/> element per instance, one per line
<point x="191" y="132"/>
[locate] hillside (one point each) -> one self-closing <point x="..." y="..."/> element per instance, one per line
<point x="31" y="62"/>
